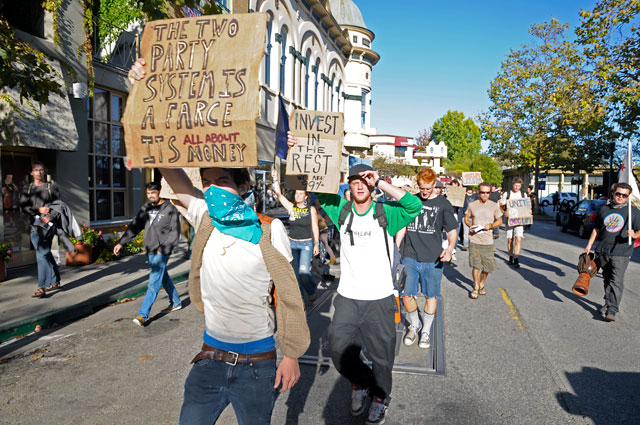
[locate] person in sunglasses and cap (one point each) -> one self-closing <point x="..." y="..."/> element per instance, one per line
<point x="614" y="250"/>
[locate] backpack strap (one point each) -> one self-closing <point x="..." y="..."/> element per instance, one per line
<point x="344" y="212"/>
<point x="199" y="241"/>
<point x="293" y="332"/>
<point x="381" y="216"/>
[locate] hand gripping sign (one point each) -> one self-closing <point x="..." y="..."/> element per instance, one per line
<point x="198" y="104"/>
<point x="519" y="212"/>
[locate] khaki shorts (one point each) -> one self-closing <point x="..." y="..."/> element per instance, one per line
<point x="481" y="257"/>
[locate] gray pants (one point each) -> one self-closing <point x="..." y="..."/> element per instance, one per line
<point x="613" y="268"/>
<point x="369" y="323"/>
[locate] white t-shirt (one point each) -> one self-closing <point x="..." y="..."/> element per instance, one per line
<point x="235" y="283"/>
<point x="365" y="272"/>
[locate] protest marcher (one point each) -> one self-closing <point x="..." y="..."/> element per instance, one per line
<point x="555" y="199"/>
<point x="365" y="306"/>
<point x="469" y="197"/>
<point x="495" y="197"/>
<point x="161" y="223"/>
<point x="515" y="234"/>
<point x="423" y="258"/>
<point x="323" y="228"/>
<point x="304" y="234"/>
<point x="482" y="217"/>
<point x="236" y="260"/>
<point x="614" y="250"/>
<point x="33" y="200"/>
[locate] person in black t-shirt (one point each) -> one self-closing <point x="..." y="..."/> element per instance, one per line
<point x="422" y="254"/>
<point x="614" y="251"/>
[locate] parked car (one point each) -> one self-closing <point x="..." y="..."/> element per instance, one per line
<point x="581" y="217"/>
<point x="571" y="198"/>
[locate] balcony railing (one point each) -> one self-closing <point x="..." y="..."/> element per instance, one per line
<point x="114" y="46"/>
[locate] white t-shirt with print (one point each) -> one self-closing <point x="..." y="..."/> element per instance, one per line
<point x="235" y="283"/>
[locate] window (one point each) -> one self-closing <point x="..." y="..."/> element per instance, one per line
<point x="267" y="55"/>
<point x="108" y="177"/>
<point x="363" y="107"/>
<point x="366" y="42"/>
<point x="355" y="38"/>
<point x="25" y="15"/>
<point x="315" y="93"/>
<point x="307" y="64"/>
<point x="283" y="58"/>
<point x="400" y="151"/>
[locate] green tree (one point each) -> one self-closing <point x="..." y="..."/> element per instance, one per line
<point x="610" y="36"/>
<point x="462" y="136"/>
<point x="490" y="169"/>
<point x="544" y="112"/>
<point x="423" y="139"/>
<point x="389" y="167"/>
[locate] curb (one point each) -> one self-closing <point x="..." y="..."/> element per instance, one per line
<point x="76" y="311"/>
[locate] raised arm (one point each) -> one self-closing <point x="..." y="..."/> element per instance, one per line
<point x="315" y="230"/>
<point x="287" y="204"/>
<point x="180" y="184"/>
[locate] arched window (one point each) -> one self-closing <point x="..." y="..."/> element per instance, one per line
<point x="283" y="58"/>
<point x="267" y="55"/>
<point x="307" y="64"/>
<point x="338" y="95"/>
<point x="333" y="77"/>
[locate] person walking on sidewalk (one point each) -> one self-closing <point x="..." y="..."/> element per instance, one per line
<point x="614" y="250"/>
<point x="482" y="217"/>
<point x="469" y="197"/>
<point x="33" y="200"/>
<point x="161" y="223"/>
<point x="304" y="234"/>
<point x="423" y="257"/>
<point x="365" y="306"/>
<point x="515" y="234"/>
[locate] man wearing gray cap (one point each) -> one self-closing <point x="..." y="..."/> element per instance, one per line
<point x="365" y="305"/>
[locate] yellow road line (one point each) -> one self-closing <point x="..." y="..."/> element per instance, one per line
<point x="512" y="309"/>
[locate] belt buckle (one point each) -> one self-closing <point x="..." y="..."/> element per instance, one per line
<point x="235" y="359"/>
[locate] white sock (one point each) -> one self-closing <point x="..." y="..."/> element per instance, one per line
<point x="414" y="318"/>
<point x="427" y="321"/>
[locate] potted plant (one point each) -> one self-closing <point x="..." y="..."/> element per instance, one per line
<point x="83" y="246"/>
<point x="5" y="257"/>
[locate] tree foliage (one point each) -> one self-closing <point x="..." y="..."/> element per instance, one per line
<point x="610" y="37"/>
<point x="544" y="111"/>
<point x="490" y="169"/>
<point x="423" y="139"/>
<point x="388" y="167"/>
<point x="462" y="136"/>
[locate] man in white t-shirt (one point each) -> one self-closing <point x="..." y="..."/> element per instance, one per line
<point x="237" y="363"/>
<point x="514" y="233"/>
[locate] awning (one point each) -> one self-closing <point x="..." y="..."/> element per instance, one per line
<point x="402" y="141"/>
<point x="53" y="127"/>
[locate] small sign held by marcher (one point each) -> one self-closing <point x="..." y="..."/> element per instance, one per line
<point x="315" y="160"/>
<point x="198" y="103"/>
<point x="471" y="178"/>
<point x="519" y="212"/>
<point x="194" y="175"/>
<point x="456" y="195"/>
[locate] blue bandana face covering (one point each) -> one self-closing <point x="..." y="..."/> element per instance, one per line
<point x="231" y="216"/>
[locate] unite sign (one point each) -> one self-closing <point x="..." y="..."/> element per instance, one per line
<point x="198" y="103"/>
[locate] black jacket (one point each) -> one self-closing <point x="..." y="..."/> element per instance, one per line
<point x="160" y="234"/>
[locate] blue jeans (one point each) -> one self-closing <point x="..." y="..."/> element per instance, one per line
<point x="158" y="277"/>
<point x="302" y="252"/>
<point x="424" y="276"/>
<point x="212" y="385"/>
<point x="48" y="273"/>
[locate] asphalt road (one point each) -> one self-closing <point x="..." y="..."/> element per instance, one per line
<point x="529" y="352"/>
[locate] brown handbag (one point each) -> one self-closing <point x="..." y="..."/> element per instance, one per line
<point x="587" y="268"/>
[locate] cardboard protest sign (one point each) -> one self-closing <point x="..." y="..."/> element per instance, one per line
<point x="194" y="175"/>
<point x="318" y="154"/>
<point x="471" y="178"/>
<point x="198" y="103"/>
<point x="456" y="195"/>
<point x="519" y="212"/>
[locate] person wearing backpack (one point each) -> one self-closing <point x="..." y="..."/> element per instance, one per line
<point x="365" y="305"/>
<point x="33" y="200"/>
<point x="515" y="234"/>
<point x="424" y="257"/>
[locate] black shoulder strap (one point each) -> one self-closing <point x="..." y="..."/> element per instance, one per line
<point x="344" y="212"/>
<point x="381" y="216"/>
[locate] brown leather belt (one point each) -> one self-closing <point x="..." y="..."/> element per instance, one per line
<point x="230" y="357"/>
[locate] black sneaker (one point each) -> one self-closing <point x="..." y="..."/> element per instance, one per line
<point x="516" y="263"/>
<point x="603" y="310"/>
<point x="510" y="260"/>
<point x="377" y="412"/>
<point x="359" y="398"/>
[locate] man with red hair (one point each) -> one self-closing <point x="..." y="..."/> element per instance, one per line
<point x="424" y="257"/>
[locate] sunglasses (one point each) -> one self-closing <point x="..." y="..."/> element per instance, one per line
<point x="622" y="195"/>
<point x="483" y="193"/>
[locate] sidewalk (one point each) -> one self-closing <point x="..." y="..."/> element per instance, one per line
<point x="84" y="290"/>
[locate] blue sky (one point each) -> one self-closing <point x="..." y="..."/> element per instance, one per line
<point x="438" y="56"/>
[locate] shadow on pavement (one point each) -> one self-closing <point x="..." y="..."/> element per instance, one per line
<point x="458" y="279"/>
<point x="604" y="397"/>
<point x="553" y="258"/>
